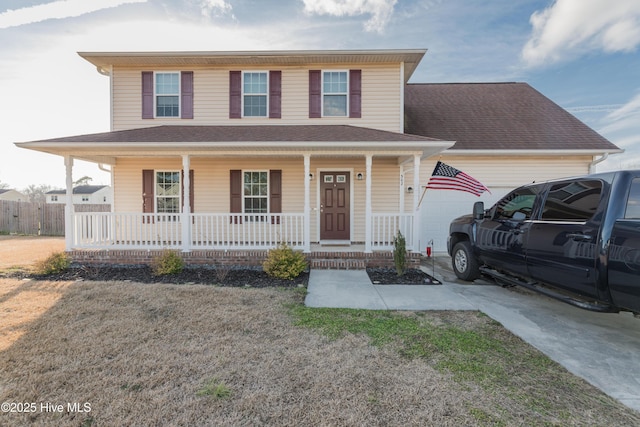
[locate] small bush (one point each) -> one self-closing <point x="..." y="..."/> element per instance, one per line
<point x="400" y="253"/>
<point x="284" y="263"/>
<point x="57" y="262"/>
<point x="167" y="263"/>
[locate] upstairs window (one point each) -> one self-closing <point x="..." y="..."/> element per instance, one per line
<point x="334" y="93"/>
<point x="167" y="94"/>
<point x="254" y="94"/>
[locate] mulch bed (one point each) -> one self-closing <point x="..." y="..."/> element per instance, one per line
<point x="244" y="277"/>
<point x="232" y="277"/>
<point x="412" y="276"/>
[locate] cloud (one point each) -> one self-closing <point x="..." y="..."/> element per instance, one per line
<point x="380" y="10"/>
<point x="215" y="8"/>
<point x="572" y="27"/>
<point x="56" y="10"/>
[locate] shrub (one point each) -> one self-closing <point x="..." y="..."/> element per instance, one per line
<point x="57" y="262"/>
<point x="167" y="263"/>
<point x="400" y="253"/>
<point x="284" y="263"/>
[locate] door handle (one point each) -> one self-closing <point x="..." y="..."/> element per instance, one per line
<point x="579" y="237"/>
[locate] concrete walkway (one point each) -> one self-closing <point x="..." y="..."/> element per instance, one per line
<point x="603" y="349"/>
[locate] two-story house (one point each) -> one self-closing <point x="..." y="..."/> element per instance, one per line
<point x="242" y="150"/>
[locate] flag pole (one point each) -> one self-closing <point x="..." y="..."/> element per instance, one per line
<point x="422" y="197"/>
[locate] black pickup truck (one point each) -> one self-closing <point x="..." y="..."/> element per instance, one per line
<point x="575" y="239"/>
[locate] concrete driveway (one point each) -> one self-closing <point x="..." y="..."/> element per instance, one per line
<point x="602" y="348"/>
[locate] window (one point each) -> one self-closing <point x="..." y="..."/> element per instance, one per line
<point x="633" y="203"/>
<point x="167" y="192"/>
<point x="572" y="201"/>
<point x="85" y="198"/>
<point x="167" y="94"/>
<point x="256" y="192"/>
<point x="518" y="205"/>
<point x="254" y="94"/>
<point x="54" y="198"/>
<point x="334" y="93"/>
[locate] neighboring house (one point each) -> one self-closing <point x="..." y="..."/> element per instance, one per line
<point x="12" y="195"/>
<point x="243" y="150"/>
<point x="82" y="195"/>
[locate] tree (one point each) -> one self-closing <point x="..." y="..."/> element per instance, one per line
<point x="3" y="185"/>
<point x="83" y="181"/>
<point x="37" y="193"/>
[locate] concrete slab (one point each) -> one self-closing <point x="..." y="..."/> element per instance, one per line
<point x="342" y="289"/>
<point x="423" y="297"/>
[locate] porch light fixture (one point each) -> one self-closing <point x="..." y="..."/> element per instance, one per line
<point x="310" y="177"/>
<point x="359" y="176"/>
<point x="409" y="189"/>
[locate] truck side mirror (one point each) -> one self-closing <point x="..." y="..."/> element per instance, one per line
<point x="478" y="210"/>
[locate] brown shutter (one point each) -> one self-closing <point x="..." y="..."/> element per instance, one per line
<point x="355" y="93"/>
<point x="147" y="94"/>
<point x="147" y="195"/>
<point x="275" y="194"/>
<point x="235" y="193"/>
<point x="191" y="192"/>
<point x="186" y="95"/>
<point x="315" y="94"/>
<point x="235" y="94"/>
<point x="275" y="94"/>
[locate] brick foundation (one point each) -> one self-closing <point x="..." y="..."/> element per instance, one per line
<point x="249" y="258"/>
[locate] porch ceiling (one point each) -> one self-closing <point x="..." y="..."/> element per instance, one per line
<point x="162" y="141"/>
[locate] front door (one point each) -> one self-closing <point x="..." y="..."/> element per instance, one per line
<point x="334" y="206"/>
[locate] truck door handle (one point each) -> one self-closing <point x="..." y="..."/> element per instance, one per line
<point x="579" y="237"/>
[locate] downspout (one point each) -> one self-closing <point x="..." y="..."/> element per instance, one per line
<point x="592" y="165"/>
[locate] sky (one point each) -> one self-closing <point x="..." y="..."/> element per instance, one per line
<point x="582" y="54"/>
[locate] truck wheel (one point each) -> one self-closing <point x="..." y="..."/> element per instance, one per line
<point x="464" y="263"/>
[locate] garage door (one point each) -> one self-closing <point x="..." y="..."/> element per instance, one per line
<point x="440" y="207"/>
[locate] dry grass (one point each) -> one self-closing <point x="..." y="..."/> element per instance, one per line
<point x="202" y="355"/>
<point x="25" y="251"/>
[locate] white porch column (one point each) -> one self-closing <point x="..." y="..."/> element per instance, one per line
<point x="68" y="208"/>
<point x="401" y="198"/>
<point x="367" y="205"/>
<point x="186" y="204"/>
<point x="307" y="203"/>
<point x="416" y="200"/>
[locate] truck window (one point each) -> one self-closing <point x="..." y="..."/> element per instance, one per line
<point x="633" y="203"/>
<point x="518" y="203"/>
<point x="572" y="201"/>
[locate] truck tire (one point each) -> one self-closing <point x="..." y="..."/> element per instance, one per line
<point x="464" y="263"/>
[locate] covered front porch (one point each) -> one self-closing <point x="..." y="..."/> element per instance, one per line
<point x="375" y="174"/>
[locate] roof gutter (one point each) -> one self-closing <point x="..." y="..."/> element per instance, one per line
<point x="562" y="152"/>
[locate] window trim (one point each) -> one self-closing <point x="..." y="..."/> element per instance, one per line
<point x="156" y="195"/>
<point x="346" y="93"/>
<point x="155" y="95"/>
<point x="266" y="93"/>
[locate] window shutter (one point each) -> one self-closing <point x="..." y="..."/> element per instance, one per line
<point x="147" y="195"/>
<point x="275" y="94"/>
<point x="235" y="94"/>
<point x="235" y="193"/>
<point x="355" y="93"/>
<point x="186" y="95"/>
<point x="315" y="94"/>
<point x="147" y="94"/>
<point x="275" y="194"/>
<point x="191" y="192"/>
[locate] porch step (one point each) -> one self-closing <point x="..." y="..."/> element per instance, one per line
<point x="337" y="264"/>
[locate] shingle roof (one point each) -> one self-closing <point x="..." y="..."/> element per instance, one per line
<point x="496" y="116"/>
<point x="80" y="189"/>
<point x="266" y="133"/>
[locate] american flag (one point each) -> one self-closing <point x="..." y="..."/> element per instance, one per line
<point x="445" y="177"/>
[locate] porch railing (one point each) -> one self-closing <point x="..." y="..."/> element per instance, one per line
<point x="385" y="227"/>
<point x="208" y="231"/>
<point x="106" y="230"/>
